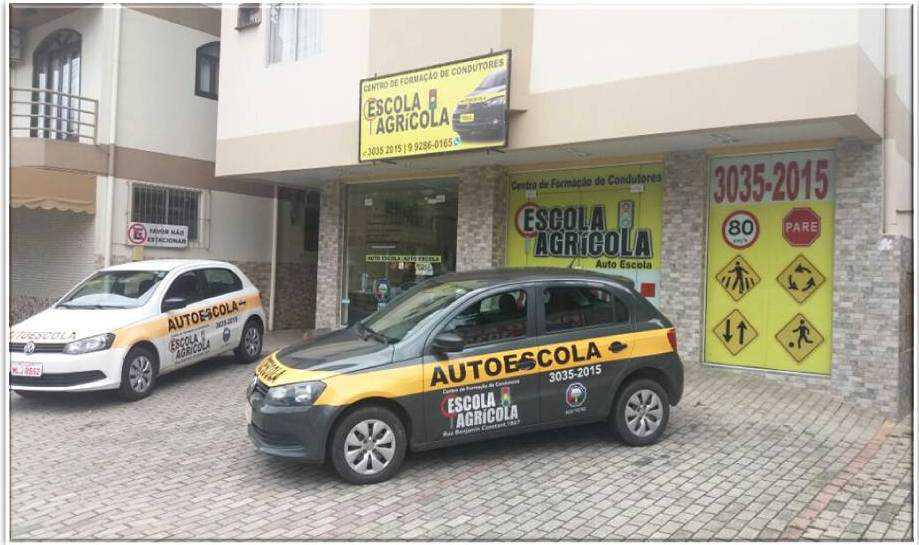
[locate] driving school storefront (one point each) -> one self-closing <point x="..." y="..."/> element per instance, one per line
<point x="767" y="260"/>
<point x="771" y="259"/>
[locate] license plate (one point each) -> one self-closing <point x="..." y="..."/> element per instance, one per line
<point x="467" y="118"/>
<point x="25" y="369"/>
<point x="248" y="411"/>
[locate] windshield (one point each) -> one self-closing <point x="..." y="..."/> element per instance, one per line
<point x="114" y="289"/>
<point x="493" y="80"/>
<point x="416" y="306"/>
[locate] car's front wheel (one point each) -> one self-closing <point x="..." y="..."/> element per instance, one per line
<point x="250" y="344"/>
<point x="641" y="412"/>
<point x="368" y="445"/>
<point x="138" y="374"/>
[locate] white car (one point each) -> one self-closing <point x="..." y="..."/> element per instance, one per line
<point x="125" y="325"/>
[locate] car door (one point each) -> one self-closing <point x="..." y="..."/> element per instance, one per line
<point x="485" y="389"/>
<point x="585" y="328"/>
<point x="223" y="291"/>
<point x="187" y="336"/>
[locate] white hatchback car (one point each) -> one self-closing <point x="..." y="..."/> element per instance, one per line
<point x="125" y="325"/>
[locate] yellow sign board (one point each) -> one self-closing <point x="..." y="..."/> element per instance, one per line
<point x="771" y="217"/>
<point x="738" y="277"/>
<point x="801" y="279"/>
<point x="735" y="332"/>
<point x="395" y="258"/>
<point x="799" y="337"/>
<point x="605" y="219"/>
<point x="456" y="106"/>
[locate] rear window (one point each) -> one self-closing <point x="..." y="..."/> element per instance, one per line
<point x="572" y="307"/>
<point x="221" y="281"/>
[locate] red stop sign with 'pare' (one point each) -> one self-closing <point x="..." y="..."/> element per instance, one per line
<point x="801" y="227"/>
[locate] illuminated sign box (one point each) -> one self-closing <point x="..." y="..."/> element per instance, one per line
<point x="456" y="106"/>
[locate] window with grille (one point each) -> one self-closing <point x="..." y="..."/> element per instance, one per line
<point x="167" y="205"/>
<point x="294" y="32"/>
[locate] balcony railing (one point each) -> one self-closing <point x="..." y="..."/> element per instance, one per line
<point x="42" y="113"/>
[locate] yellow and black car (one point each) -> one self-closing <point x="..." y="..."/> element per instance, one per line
<point x="482" y="114"/>
<point x="470" y="356"/>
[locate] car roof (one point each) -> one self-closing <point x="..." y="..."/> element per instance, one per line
<point x="535" y="274"/>
<point x="165" y="264"/>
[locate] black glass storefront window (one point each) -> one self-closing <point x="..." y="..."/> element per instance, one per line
<point x="398" y="234"/>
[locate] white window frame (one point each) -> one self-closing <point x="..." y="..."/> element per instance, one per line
<point x="301" y="52"/>
<point x="204" y="211"/>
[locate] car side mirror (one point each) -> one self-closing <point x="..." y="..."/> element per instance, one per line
<point x="448" y="342"/>
<point x="173" y="303"/>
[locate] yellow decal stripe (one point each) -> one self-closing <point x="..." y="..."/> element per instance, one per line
<point x="158" y="326"/>
<point x="346" y="388"/>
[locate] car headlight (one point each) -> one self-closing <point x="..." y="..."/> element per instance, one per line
<point x="90" y="344"/>
<point x="298" y="394"/>
<point x="497" y="101"/>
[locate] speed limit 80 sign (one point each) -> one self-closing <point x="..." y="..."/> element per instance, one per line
<point x="740" y="229"/>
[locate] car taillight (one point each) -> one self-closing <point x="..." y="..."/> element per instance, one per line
<point x="671" y="336"/>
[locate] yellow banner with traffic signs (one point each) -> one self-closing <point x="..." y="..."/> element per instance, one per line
<point x="799" y="337"/>
<point x="735" y="332"/>
<point x="770" y="258"/>
<point x="801" y="278"/>
<point x="457" y="106"/>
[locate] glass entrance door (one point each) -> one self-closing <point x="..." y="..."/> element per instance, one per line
<point x="398" y="234"/>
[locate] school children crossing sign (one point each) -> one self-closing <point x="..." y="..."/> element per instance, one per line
<point x="737" y="277"/>
<point x="799" y="337"/>
<point x="801" y="279"/>
<point x="735" y="332"/>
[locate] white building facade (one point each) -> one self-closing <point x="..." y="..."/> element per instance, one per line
<point x="115" y="118"/>
<point x="700" y="117"/>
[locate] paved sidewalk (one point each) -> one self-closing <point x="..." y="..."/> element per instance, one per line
<point x="744" y="458"/>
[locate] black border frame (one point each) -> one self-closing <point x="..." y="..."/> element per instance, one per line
<point x="360" y="100"/>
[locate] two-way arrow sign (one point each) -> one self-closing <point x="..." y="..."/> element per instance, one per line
<point x="741" y="328"/>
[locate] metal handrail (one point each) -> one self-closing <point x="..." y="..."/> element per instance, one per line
<point x="53" y="115"/>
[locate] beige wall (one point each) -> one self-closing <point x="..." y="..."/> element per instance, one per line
<point x="237" y="227"/>
<point x="615" y="44"/>
<point x="95" y="26"/>
<point x="898" y="167"/>
<point x="578" y="75"/>
<point x="257" y="98"/>
<point x="157" y="106"/>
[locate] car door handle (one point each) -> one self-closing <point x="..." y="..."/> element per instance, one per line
<point x="526" y="365"/>
<point x="618" y="346"/>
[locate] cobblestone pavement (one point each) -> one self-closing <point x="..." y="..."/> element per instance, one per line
<point x="744" y="458"/>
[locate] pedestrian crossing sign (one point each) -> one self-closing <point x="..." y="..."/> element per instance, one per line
<point x="799" y="337"/>
<point x="735" y="332"/>
<point x="800" y="279"/>
<point x="737" y="277"/>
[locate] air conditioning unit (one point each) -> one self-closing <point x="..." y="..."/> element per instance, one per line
<point x="17" y="43"/>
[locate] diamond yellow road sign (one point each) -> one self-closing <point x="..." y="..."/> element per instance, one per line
<point x="800" y="279"/>
<point x="737" y="277"/>
<point x="799" y="337"/>
<point x="735" y="332"/>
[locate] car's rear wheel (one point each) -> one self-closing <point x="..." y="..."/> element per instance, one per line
<point x="250" y="344"/>
<point x="641" y="412"/>
<point x="138" y="374"/>
<point x="368" y="445"/>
